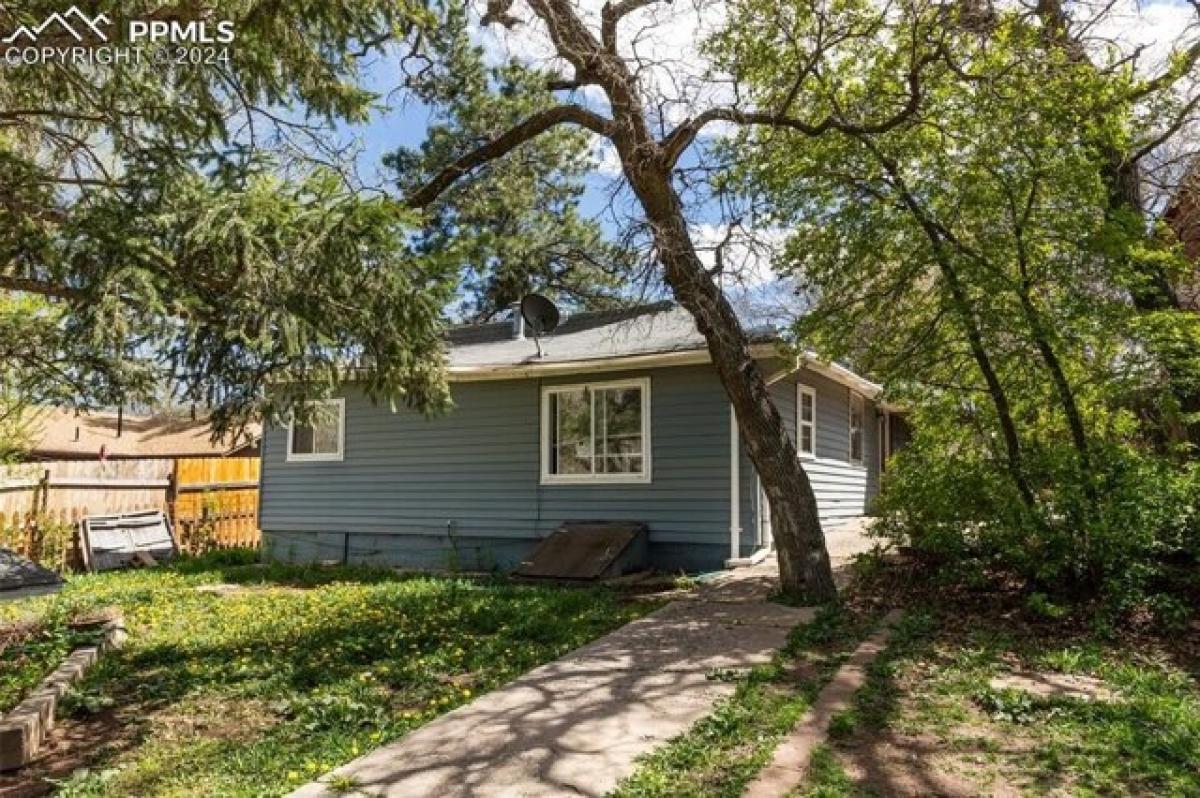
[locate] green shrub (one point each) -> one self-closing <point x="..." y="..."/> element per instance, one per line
<point x="1111" y="533"/>
<point x="46" y="540"/>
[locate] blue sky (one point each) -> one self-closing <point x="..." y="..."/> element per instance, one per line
<point x="404" y="125"/>
<point x="403" y="122"/>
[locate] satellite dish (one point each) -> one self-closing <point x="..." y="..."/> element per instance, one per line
<point x="539" y="313"/>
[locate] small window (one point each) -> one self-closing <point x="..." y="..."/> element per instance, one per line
<point x="857" y="414"/>
<point x="806" y="421"/>
<point x="598" y="432"/>
<point x="321" y="437"/>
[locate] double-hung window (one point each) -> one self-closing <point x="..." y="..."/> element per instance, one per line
<point x="857" y="417"/>
<point x="322" y="435"/>
<point x="596" y="432"/>
<point x="806" y="421"/>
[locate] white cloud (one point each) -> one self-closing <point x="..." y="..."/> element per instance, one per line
<point x="604" y="156"/>
<point x="748" y="255"/>
<point x="660" y="40"/>
<point x="664" y="40"/>
<point x="1156" y="28"/>
<point x="750" y="282"/>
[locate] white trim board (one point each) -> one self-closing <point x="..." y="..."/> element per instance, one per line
<point x="807" y="360"/>
<point x="803" y="391"/>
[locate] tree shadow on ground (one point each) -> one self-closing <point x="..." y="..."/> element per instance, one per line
<point x="462" y="633"/>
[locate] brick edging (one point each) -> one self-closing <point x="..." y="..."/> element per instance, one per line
<point x="24" y="728"/>
<point x="787" y="768"/>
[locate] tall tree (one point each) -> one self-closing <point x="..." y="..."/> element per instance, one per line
<point x="516" y="226"/>
<point x="625" y="109"/>
<point x="985" y="273"/>
<point x="185" y="224"/>
<point x="1169" y="108"/>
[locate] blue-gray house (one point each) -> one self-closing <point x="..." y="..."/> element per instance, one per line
<point x="621" y="418"/>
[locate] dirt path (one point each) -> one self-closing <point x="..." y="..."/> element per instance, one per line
<point x="576" y="725"/>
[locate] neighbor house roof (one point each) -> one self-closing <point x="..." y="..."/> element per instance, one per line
<point x="659" y="334"/>
<point x="60" y="434"/>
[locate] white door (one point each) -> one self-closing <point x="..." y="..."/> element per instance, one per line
<point x="765" y="538"/>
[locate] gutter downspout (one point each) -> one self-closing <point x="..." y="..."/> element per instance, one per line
<point x="735" y="486"/>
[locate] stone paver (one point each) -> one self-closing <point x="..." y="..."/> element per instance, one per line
<point x="575" y="726"/>
<point x="791" y="758"/>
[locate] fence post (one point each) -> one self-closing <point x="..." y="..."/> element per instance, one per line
<point x="44" y="487"/>
<point x="173" y="490"/>
<point x="37" y="514"/>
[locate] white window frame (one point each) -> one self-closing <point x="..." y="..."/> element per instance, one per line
<point x="548" y="478"/>
<point x="802" y="391"/>
<point x="313" y="457"/>
<point x="862" y="429"/>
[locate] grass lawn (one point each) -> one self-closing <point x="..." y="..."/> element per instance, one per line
<point x="720" y="754"/>
<point x="29" y="651"/>
<point x="930" y="722"/>
<point x="299" y="670"/>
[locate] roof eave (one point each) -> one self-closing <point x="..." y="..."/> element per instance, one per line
<point x="808" y="359"/>
<point x="510" y="371"/>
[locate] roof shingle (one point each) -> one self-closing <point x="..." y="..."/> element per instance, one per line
<point x="642" y="330"/>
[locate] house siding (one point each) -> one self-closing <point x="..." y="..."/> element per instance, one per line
<point x="843" y="489"/>
<point x="464" y="490"/>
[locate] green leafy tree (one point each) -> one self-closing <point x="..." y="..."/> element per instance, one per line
<point x="177" y="239"/>
<point x="606" y="88"/>
<point x="970" y="256"/>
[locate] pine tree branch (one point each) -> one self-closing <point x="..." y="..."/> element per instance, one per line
<point x="508" y="141"/>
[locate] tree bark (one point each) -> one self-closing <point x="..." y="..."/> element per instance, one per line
<point x="966" y="315"/>
<point x="804" y="566"/>
<point x="1066" y="394"/>
<point x="1008" y="427"/>
<point x="647" y="165"/>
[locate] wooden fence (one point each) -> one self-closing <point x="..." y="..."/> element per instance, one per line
<point x="212" y="502"/>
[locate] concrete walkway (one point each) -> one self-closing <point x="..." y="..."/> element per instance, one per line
<point x="576" y="725"/>
<point x="847" y="538"/>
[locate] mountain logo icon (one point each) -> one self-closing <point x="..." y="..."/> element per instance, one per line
<point x="73" y="21"/>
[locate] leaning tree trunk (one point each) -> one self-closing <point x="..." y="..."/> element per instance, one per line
<point x="647" y="164"/>
<point x="804" y="567"/>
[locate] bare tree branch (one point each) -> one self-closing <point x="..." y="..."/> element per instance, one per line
<point x="682" y="136"/>
<point x="612" y="13"/>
